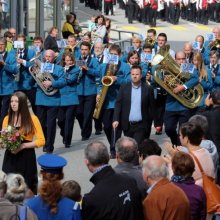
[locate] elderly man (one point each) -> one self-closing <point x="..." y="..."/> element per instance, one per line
<point x="48" y="105"/>
<point x="165" y="200"/>
<point x="127" y="158"/>
<point x="114" y="197"/>
<point x="187" y="49"/>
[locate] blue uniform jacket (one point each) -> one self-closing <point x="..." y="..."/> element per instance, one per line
<point x="25" y="82"/>
<point x="172" y="104"/>
<point x="216" y="85"/>
<point x="69" y="92"/>
<point x="207" y="86"/>
<point x="87" y="84"/>
<point x="57" y="82"/>
<point x="67" y="209"/>
<point x="7" y="74"/>
<point x="123" y="76"/>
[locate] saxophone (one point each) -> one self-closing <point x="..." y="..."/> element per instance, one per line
<point x="107" y="81"/>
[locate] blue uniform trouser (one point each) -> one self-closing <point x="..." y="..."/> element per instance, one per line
<point x="66" y="118"/>
<point x="47" y="116"/>
<point x="84" y="114"/>
<point x="171" y="120"/>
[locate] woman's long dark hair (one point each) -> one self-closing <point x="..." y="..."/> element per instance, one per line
<point x="27" y="125"/>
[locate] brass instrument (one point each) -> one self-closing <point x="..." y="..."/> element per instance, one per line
<point x="215" y="43"/>
<point x="39" y="77"/>
<point x="150" y="41"/>
<point x="107" y="81"/>
<point x="190" y="98"/>
<point x="17" y="75"/>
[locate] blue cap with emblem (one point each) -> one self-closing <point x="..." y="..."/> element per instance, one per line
<point x="51" y="163"/>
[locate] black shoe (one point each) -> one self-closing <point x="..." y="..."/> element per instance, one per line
<point x="48" y="151"/>
<point x="67" y="145"/>
<point x="85" y="138"/>
<point x="98" y="132"/>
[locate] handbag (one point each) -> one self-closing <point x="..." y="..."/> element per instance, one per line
<point x="210" y="188"/>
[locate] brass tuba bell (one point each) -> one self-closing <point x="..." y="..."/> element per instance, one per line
<point x="190" y="98"/>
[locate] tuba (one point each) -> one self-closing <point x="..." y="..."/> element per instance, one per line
<point x="39" y="77"/>
<point x="107" y="81"/>
<point x="214" y="44"/>
<point x="190" y="98"/>
<point x="150" y="41"/>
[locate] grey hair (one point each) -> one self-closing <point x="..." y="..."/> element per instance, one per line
<point x="200" y="120"/>
<point x="16" y="188"/>
<point x="155" y="169"/>
<point x="96" y="153"/>
<point x="127" y="149"/>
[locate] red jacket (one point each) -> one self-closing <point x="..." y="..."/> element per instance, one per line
<point x="154" y="4"/>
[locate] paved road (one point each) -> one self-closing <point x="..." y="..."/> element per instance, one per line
<point x="76" y="168"/>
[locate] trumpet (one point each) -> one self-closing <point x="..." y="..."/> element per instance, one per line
<point x="150" y="41"/>
<point x="215" y="43"/>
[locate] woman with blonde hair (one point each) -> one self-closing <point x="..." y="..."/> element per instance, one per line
<point x="205" y="76"/>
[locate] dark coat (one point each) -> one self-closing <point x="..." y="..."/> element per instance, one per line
<point x="114" y="197"/>
<point x="123" y="105"/>
<point x="134" y="172"/>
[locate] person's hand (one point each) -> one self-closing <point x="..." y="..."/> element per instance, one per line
<point x="167" y="158"/>
<point x="115" y="124"/>
<point x="22" y="146"/>
<point x="208" y="101"/>
<point x="85" y="67"/>
<point x="169" y="148"/>
<point x="179" y="88"/>
<point x="19" y="61"/>
<point x="217" y="207"/>
<point x="114" y="78"/>
<point x="2" y="63"/>
<point x="47" y="84"/>
<point x="97" y="98"/>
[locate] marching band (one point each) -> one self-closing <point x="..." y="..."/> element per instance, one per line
<point x="75" y="75"/>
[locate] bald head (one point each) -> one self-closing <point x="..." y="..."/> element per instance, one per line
<point x="155" y="167"/>
<point x="180" y="57"/>
<point x="187" y="48"/>
<point x="49" y="56"/>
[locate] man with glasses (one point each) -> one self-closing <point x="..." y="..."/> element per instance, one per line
<point x="175" y="112"/>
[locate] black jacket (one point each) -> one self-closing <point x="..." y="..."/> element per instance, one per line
<point x="114" y="197"/>
<point x="123" y="105"/>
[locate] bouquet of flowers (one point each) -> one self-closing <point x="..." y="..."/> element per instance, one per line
<point x="10" y="138"/>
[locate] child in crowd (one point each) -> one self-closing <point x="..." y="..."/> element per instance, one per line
<point x="91" y="23"/>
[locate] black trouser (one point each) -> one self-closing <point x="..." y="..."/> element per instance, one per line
<point x="136" y="131"/>
<point x="153" y="17"/>
<point x="84" y="114"/>
<point x="47" y="116"/>
<point x="217" y="12"/>
<point x="160" y="104"/>
<point x="204" y="16"/>
<point x="108" y="6"/>
<point x="211" y="11"/>
<point x="31" y="95"/>
<point x="174" y="13"/>
<point x="146" y="18"/>
<point x="4" y="106"/>
<point x="66" y="118"/>
<point x="130" y="12"/>
<point x="171" y="120"/>
<point x="98" y="124"/>
<point x="167" y="12"/>
<point x="112" y="136"/>
<point x="193" y="12"/>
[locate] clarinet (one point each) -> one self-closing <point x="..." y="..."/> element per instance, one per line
<point x="79" y="76"/>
